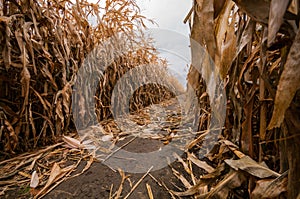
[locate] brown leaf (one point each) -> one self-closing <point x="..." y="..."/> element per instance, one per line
<point x="252" y="167"/>
<point x="31" y="120"/>
<point x="184" y="164"/>
<point x="13" y="137"/>
<point x="218" y="6"/>
<point x="289" y="83"/>
<point x="6" y="51"/>
<point x="246" y="135"/>
<point x="293" y="8"/>
<point x="60" y="119"/>
<point x="199" y="163"/>
<point x="183" y="180"/>
<point x="192" y="190"/>
<point x="226" y="39"/>
<point x="55" y="174"/>
<point x="258" y="10"/>
<point x="29" y="46"/>
<point x="231" y="181"/>
<point x="246" y="35"/>
<point x="205" y="11"/>
<point x="269" y="188"/>
<point x="25" y="81"/>
<point x="46" y="73"/>
<point x="72" y="142"/>
<point x="277" y="10"/>
<point x="66" y="95"/>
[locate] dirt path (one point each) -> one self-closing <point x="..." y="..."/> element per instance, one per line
<point x="98" y="181"/>
<point x="142" y="146"/>
<point x="102" y="181"/>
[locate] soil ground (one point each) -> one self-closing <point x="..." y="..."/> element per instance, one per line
<point x="101" y="181"/>
<point x="98" y="181"/>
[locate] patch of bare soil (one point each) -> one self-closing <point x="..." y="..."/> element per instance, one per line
<point x="91" y="176"/>
<point x="101" y="182"/>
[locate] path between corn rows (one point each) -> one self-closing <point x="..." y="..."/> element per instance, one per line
<point x="100" y="181"/>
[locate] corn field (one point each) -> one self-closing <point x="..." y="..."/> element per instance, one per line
<point x="44" y="43"/>
<point x="254" y="45"/>
<point x="51" y="50"/>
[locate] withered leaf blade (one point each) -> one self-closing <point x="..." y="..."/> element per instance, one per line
<point x="205" y="11"/>
<point x="25" y="81"/>
<point x="218" y="6"/>
<point x="277" y="10"/>
<point x="183" y="180"/>
<point x="199" y="163"/>
<point x="226" y="39"/>
<point x="191" y="191"/>
<point x="246" y="36"/>
<point x="232" y="180"/>
<point x="288" y="84"/>
<point x="252" y="167"/>
<point x="72" y="142"/>
<point x="55" y="174"/>
<point x="258" y="10"/>
<point x="269" y="188"/>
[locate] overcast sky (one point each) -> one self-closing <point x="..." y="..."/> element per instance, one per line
<point x="168" y="14"/>
<point x="174" y="43"/>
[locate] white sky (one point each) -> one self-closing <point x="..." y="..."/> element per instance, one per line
<point x="169" y="14"/>
<point x="173" y="44"/>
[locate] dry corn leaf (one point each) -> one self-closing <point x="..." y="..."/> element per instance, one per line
<point x="56" y="174"/>
<point x="247" y="35"/>
<point x="277" y="11"/>
<point x="183" y="180"/>
<point x="199" y="163"/>
<point x="252" y="167"/>
<point x="72" y="142"/>
<point x="231" y="181"/>
<point x="191" y="191"/>
<point x="218" y="6"/>
<point x="25" y="81"/>
<point x="288" y="84"/>
<point x="205" y="11"/>
<point x="258" y="10"/>
<point x="234" y="148"/>
<point x="270" y="188"/>
<point x="203" y="182"/>
<point x="184" y="164"/>
<point x="226" y="39"/>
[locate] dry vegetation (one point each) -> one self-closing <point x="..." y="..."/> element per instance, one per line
<point x="254" y="45"/>
<point x="43" y="46"/>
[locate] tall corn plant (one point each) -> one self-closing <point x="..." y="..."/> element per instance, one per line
<point x="255" y="47"/>
<point x="43" y="45"/>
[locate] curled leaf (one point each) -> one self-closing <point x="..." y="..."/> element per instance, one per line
<point x="277" y="10"/>
<point x="289" y="83"/>
<point x="252" y="167"/>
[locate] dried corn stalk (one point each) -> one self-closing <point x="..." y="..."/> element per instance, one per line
<point x="43" y="45"/>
